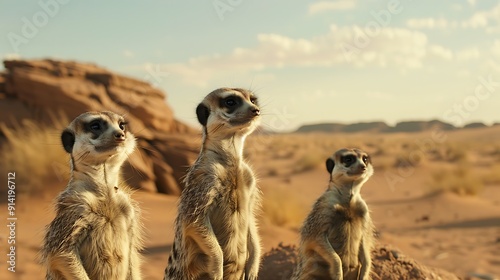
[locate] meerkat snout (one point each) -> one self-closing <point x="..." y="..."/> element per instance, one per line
<point x="256" y="111"/>
<point x="119" y="136"/>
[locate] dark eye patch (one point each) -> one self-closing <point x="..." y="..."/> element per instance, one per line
<point x="348" y="160"/>
<point x="96" y="127"/>
<point x="231" y="102"/>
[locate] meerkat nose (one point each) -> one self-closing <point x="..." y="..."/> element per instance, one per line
<point x="256" y="111"/>
<point x="119" y="136"/>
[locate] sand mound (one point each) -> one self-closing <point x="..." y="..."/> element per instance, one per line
<point x="388" y="264"/>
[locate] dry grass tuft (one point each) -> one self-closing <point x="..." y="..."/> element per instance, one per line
<point x="382" y="163"/>
<point x="412" y="159"/>
<point x="454" y="152"/>
<point x="283" y="208"/>
<point x="492" y="176"/>
<point x="35" y="154"/>
<point x="460" y="180"/>
<point x="309" y="161"/>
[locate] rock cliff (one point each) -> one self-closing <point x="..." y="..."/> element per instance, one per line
<point x="44" y="90"/>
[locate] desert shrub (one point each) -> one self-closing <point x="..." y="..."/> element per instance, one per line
<point x="460" y="180"/>
<point x="309" y="161"/>
<point x="413" y="159"/>
<point x="452" y="153"/>
<point x="382" y="163"/>
<point x="492" y="176"/>
<point x="283" y="154"/>
<point x="283" y="208"/>
<point x="272" y="172"/>
<point x="35" y="154"/>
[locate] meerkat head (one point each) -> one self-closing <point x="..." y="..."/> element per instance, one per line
<point x="97" y="137"/>
<point x="227" y="111"/>
<point x="349" y="165"/>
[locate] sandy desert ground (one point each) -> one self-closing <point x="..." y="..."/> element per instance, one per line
<point x="437" y="199"/>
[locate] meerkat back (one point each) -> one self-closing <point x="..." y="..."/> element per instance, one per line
<point x="96" y="231"/>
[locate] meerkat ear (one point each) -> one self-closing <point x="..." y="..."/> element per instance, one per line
<point x="330" y="164"/>
<point x="68" y="140"/>
<point x="202" y="112"/>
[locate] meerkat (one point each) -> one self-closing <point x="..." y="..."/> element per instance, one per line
<point x="96" y="232"/>
<point x="216" y="231"/>
<point x="337" y="236"/>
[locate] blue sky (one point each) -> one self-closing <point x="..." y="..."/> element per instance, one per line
<point x="308" y="61"/>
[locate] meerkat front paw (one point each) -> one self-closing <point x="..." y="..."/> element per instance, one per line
<point x="218" y="275"/>
<point x="251" y="277"/>
<point x="252" y="274"/>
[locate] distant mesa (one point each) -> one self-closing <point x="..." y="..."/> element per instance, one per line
<point x="416" y="126"/>
<point x="38" y="90"/>
<point x="338" y="127"/>
<point x="475" y="125"/>
<point x="382" y="127"/>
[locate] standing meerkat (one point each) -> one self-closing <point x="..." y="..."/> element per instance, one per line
<point x="337" y="236"/>
<point x="96" y="231"/>
<point x="216" y="231"/>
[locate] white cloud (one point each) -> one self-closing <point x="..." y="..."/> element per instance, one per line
<point x="489" y="19"/>
<point x="495" y="49"/>
<point x="11" y="56"/>
<point x="349" y="46"/>
<point x="429" y="23"/>
<point x="468" y="54"/>
<point x="324" y="6"/>
<point x="440" y="52"/>
<point x="128" y="53"/>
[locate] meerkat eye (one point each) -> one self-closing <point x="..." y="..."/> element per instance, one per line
<point x="365" y="159"/>
<point x="253" y="100"/>
<point x="95" y="125"/>
<point x="122" y="125"/>
<point x="230" y="102"/>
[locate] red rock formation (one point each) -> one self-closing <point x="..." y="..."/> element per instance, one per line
<point x="42" y="89"/>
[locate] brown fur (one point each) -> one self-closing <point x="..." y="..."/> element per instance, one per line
<point x="96" y="231"/>
<point x="216" y="232"/>
<point x="337" y="236"/>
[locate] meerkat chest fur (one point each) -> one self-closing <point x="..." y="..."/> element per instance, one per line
<point x="226" y="192"/>
<point x="349" y="223"/>
<point x="236" y="192"/>
<point x="114" y="223"/>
